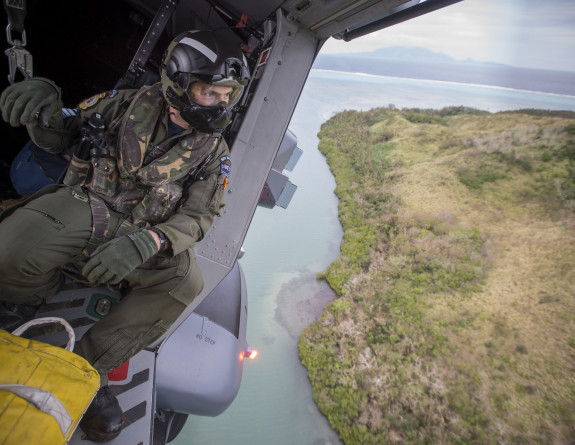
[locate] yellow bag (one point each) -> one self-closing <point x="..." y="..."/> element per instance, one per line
<point x="44" y="389"/>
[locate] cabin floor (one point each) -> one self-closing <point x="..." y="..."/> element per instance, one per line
<point x="132" y="382"/>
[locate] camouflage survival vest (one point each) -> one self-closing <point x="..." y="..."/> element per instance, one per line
<point x="139" y="179"/>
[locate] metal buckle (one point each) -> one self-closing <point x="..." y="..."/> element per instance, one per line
<point x="18" y="57"/>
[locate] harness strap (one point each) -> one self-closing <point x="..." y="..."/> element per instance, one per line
<point x="16" y="11"/>
<point x="101" y="218"/>
<point x="126" y="227"/>
<point x="199" y="172"/>
<point x="100" y="223"/>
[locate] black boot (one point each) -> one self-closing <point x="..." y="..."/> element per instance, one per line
<point x="104" y="419"/>
<point x="13" y="315"/>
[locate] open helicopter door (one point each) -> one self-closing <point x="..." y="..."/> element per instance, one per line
<point x="159" y="386"/>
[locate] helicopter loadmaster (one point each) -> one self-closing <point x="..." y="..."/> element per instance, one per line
<point x="146" y="178"/>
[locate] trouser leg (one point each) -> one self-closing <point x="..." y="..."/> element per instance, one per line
<point x="36" y="240"/>
<point x="160" y="291"/>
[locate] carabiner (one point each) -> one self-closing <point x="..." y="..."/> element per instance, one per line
<point x="19" y="58"/>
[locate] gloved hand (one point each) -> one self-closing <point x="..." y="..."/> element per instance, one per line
<point x="21" y="102"/>
<point x="120" y="256"/>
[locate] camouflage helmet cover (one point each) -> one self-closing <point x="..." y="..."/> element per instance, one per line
<point x="203" y="56"/>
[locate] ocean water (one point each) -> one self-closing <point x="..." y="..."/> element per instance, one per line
<point x="286" y="248"/>
<point x="559" y="82"/>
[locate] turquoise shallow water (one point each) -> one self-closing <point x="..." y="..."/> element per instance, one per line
<point x="286" y="248"/>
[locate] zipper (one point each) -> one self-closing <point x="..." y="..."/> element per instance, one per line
<point x="50" y="217"/>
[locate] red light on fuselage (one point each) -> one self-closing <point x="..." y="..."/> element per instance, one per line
<point x="248" y="353"/>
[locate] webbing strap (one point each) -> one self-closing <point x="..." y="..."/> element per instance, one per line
<point x="154" y="32"/>
<point x="100" y="223"/>
<point x="16" y="10"/>
<point x="130" y="79"/>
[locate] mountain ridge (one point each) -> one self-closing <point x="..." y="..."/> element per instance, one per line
<point x="420" y="54"/>
<point x="421" y="63"/>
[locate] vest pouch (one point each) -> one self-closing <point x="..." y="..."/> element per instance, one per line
<point x="217" y="200"/>
<point x="158" y="204"/>
<point x="77" y="172"/>
<point x="105" y="176"/>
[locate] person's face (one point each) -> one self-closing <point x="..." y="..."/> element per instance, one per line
<point x="209" y="95"/>
<point x="177" y="118"/>
<point x="202" y="94"/>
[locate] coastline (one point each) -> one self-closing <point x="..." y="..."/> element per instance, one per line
<point x="445" y="82"/>
<point x="360" y="358"/>
<point x="560" y="82"/>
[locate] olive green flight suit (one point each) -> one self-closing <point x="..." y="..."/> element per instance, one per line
<point x="55" y="228"/>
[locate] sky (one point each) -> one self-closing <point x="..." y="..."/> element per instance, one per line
<point x="524" y="33"/>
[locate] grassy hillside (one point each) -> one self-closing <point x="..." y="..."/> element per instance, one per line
<point x="455" y="321"/>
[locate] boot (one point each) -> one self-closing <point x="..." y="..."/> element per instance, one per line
<point x="104" y="419"/>
<point x="13" y="315"/>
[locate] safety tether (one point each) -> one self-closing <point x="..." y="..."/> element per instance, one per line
<point x="18" y="57"/>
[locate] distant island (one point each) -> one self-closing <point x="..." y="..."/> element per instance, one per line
<point x="420" y="63"/>
<point x="456" y="308"/>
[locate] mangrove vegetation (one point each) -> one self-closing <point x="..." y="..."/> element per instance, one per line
<point x="454" y="321"/>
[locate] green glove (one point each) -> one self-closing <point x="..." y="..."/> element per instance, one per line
<point x="120" y="256"/>
<point x="22" y="102"/>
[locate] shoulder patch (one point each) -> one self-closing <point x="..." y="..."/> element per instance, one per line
<point x="225" y="166"/>
<point x="91" y="101"/>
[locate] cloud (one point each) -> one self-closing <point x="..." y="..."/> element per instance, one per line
<point x="526" y="33"/>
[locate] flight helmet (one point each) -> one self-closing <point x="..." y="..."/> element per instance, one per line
<point x="206" y="57"/>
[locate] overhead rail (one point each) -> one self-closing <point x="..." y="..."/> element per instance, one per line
<point x="398" y="17"/>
